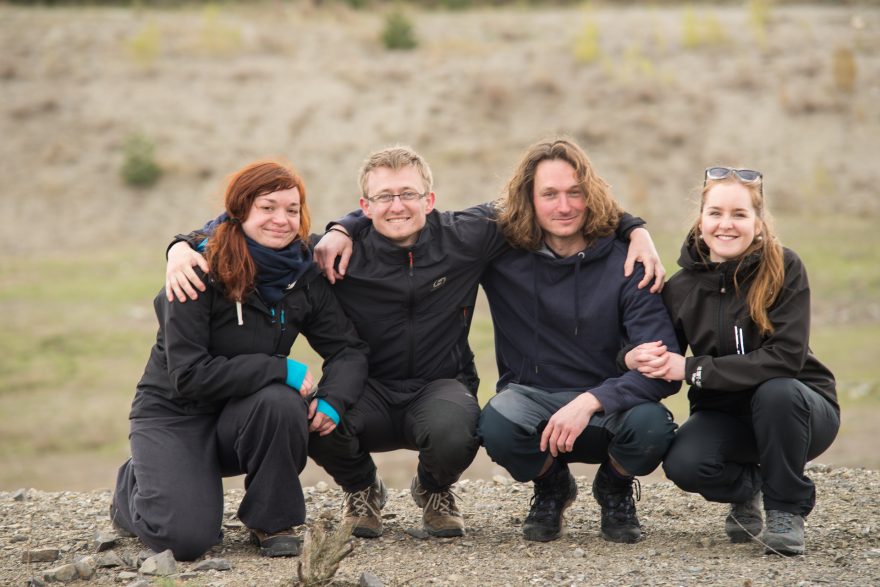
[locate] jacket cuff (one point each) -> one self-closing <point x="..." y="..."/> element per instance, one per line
<point x="296" y="373"/>
<point x="325" y="408"/>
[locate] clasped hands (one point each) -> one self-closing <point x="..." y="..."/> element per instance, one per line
<point x="654" y="360"/>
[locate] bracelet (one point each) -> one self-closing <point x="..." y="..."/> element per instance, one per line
<point x="336" y="228"/>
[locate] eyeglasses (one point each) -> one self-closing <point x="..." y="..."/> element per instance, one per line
<point x="744" y="175"/>
<point x="388" y="197"/>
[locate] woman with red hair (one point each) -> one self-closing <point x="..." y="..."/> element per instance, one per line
<point x="219" y="397"/>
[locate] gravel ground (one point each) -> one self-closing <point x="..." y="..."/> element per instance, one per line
<point x="683" y="544"/>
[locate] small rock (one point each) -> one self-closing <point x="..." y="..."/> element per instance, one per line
<point x="321" y="487"/>
<point x="105" y="541"/>
<point x="145" y="554"/>
<point x="86" y="567"/>
<point x="42" y="555"/>
<point x="417" y="533"/>
<point x="34" y="582"/>
<point x="501" y="480"/>
<point x="20" y="494"/>
<point x="126" y="575"/>
<point x="63" y="574"/>
<point x="140" y="583"/>
<point x="873" y="553"/>
<point x="579" y="553"/>
<point x="213" y="564"/>
<point x="109" y="559"/>
<point x="233" y="524"/>
<point x="369" y="580"/>
<point x="18" y="538"/>
<point x="162" y="564"/>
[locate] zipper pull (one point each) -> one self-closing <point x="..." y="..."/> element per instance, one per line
<point x="238" y="313"/>
<point x="282" y="320"/>
<point x="410" y="263"/>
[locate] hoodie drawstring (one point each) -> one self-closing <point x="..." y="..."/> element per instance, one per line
<point x="577" y="297"/>
<point x="238" y="313"/>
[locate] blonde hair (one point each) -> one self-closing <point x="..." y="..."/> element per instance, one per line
<point x="771" y="270"/>
<point x="395" y="158"/>
<point x="516" y="208"/>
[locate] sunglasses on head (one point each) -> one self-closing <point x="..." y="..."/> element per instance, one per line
<point x="744" y="175"/>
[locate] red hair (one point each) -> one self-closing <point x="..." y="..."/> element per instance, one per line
<point x="227" y="251"/>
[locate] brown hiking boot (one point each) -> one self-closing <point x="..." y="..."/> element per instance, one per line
<point x="363" y="510"/>
<point x="440" y="516"/>
<point x="283" y="543"/>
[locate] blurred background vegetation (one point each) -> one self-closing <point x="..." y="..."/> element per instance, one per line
<point x="121" y="120"/>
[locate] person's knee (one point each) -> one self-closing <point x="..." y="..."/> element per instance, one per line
<point x="776" y="396"/>
<point x="644" y="439"/>
<point x="452" y="434"/>
<point x="496" y="433"/>
<point x="187" y="538"/>
<point x="681" y="469"/>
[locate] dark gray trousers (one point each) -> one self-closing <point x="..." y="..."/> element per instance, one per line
<point x="170" y="493"/>
<point x="439" y="420"/>
<point x="728" y="458"/>
<point x="512" y="423"/>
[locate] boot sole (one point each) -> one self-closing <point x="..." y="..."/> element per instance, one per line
<point x="445" y="533"/>
<point x="366" y="532"/>
<point x="622" y="538"/>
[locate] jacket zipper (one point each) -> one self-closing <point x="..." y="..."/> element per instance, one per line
<point x="722" y="296"/>
<point x="412" y="325"/>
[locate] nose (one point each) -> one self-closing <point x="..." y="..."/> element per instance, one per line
<point x="279" y="216"/>
<point x="396" y="203"/>
<point x="564" y="205"/>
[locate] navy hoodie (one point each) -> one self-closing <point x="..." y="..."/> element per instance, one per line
<point x="560" y="322"/>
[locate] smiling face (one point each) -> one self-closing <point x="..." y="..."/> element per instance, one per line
<point x="397" y="220"/>
<point x="560" y="206"/>
<point x="728" y="221"/>
<point x="273" y="220"/>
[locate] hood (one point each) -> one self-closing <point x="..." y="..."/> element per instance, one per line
<point x="694" y="256"/>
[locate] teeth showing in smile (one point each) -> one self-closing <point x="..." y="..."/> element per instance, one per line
<point x="396" y="220"/>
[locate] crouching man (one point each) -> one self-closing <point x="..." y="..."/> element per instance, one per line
<point x="562" y="310"/>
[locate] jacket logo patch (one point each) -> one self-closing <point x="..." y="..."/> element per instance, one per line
<point x="438" y="283"/>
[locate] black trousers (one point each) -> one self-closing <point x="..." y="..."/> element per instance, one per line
<point x="512" y="423"/>
<point x="728" y="458"/>
<point x="170" y="493"/>
<point x="439" y="420"/>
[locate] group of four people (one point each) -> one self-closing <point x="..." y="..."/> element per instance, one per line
<point x="585" y="352"/>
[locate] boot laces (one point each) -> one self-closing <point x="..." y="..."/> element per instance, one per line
<point x="780" y="522"/>
<point x="360" y="504"/>
<point x="548" y="498"/>
<point x="620" y="503"/>
<point x="442" y="502"/>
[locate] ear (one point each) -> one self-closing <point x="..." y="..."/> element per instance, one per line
<point x="430" y="200"/>
<point x="365" y="207"/>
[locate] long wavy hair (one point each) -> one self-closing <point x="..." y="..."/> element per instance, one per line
<point x="516" y="208"/>
<point x="771" y="271"/>
<point x="227" y="251"/>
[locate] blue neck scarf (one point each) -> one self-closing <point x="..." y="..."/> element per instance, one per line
<point x="278" y="269"/>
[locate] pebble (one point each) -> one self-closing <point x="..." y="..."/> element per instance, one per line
<point x="86" y="567"/>
<point x="369" y="580"/>
<point x="20" y="494"/>
<point x="417" y="533"/>
<point x="321" y="487"/>
<point x="213" y="564"/>
<point x="162" y="564"/>
<point x="501" y="480"/>
<point x="105" y="541"/>
<point x="109" y="559"/>
<point x="126" y="575"/>
<point x="43" y="555"/>
<point x="18" y="538"/>
<point x="579" y="553"/>
<point x="63" y="574"/>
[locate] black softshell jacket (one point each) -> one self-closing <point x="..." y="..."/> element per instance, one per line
<point x="730" y="356"/>
<point x="203" y="357"/>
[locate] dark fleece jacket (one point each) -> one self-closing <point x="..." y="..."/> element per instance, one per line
<point x="559" y="323"/>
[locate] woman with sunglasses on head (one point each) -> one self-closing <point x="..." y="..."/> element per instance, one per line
<point x="761" y="404"/>
<point x="219" y="397"/>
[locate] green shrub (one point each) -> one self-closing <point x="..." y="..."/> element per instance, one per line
<point x="586" y="45"/>
<point x="139" y="167"/>
<point x="398" y="32"/>
<point x="144" y="47"/>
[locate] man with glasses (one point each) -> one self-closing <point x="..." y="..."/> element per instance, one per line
<point x="410" y="289"/>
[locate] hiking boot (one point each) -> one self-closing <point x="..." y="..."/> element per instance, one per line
<point x="744" y="521"/>
<point x="784" y="534"/>
<point x="552" y="497"/>
<point x="363" y="510"/>
<point x="440" y="517"/>
<point x="615" y="497"/>
<point x="283" y="543"/>
<point x="117" y="527"/>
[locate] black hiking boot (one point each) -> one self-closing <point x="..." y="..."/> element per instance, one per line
<point x="615" y="497"/>
<point x="552" y="497"/>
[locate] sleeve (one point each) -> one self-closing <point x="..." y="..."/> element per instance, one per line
<point x="627" y="224"/>
<point x="332" y="335"/>
<point x="645" y="319"/>
<point x="197" y="375"/>
<point x="354" y="222"/>
<point x="781" y="354"/>
<point x="197" y="238"/>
